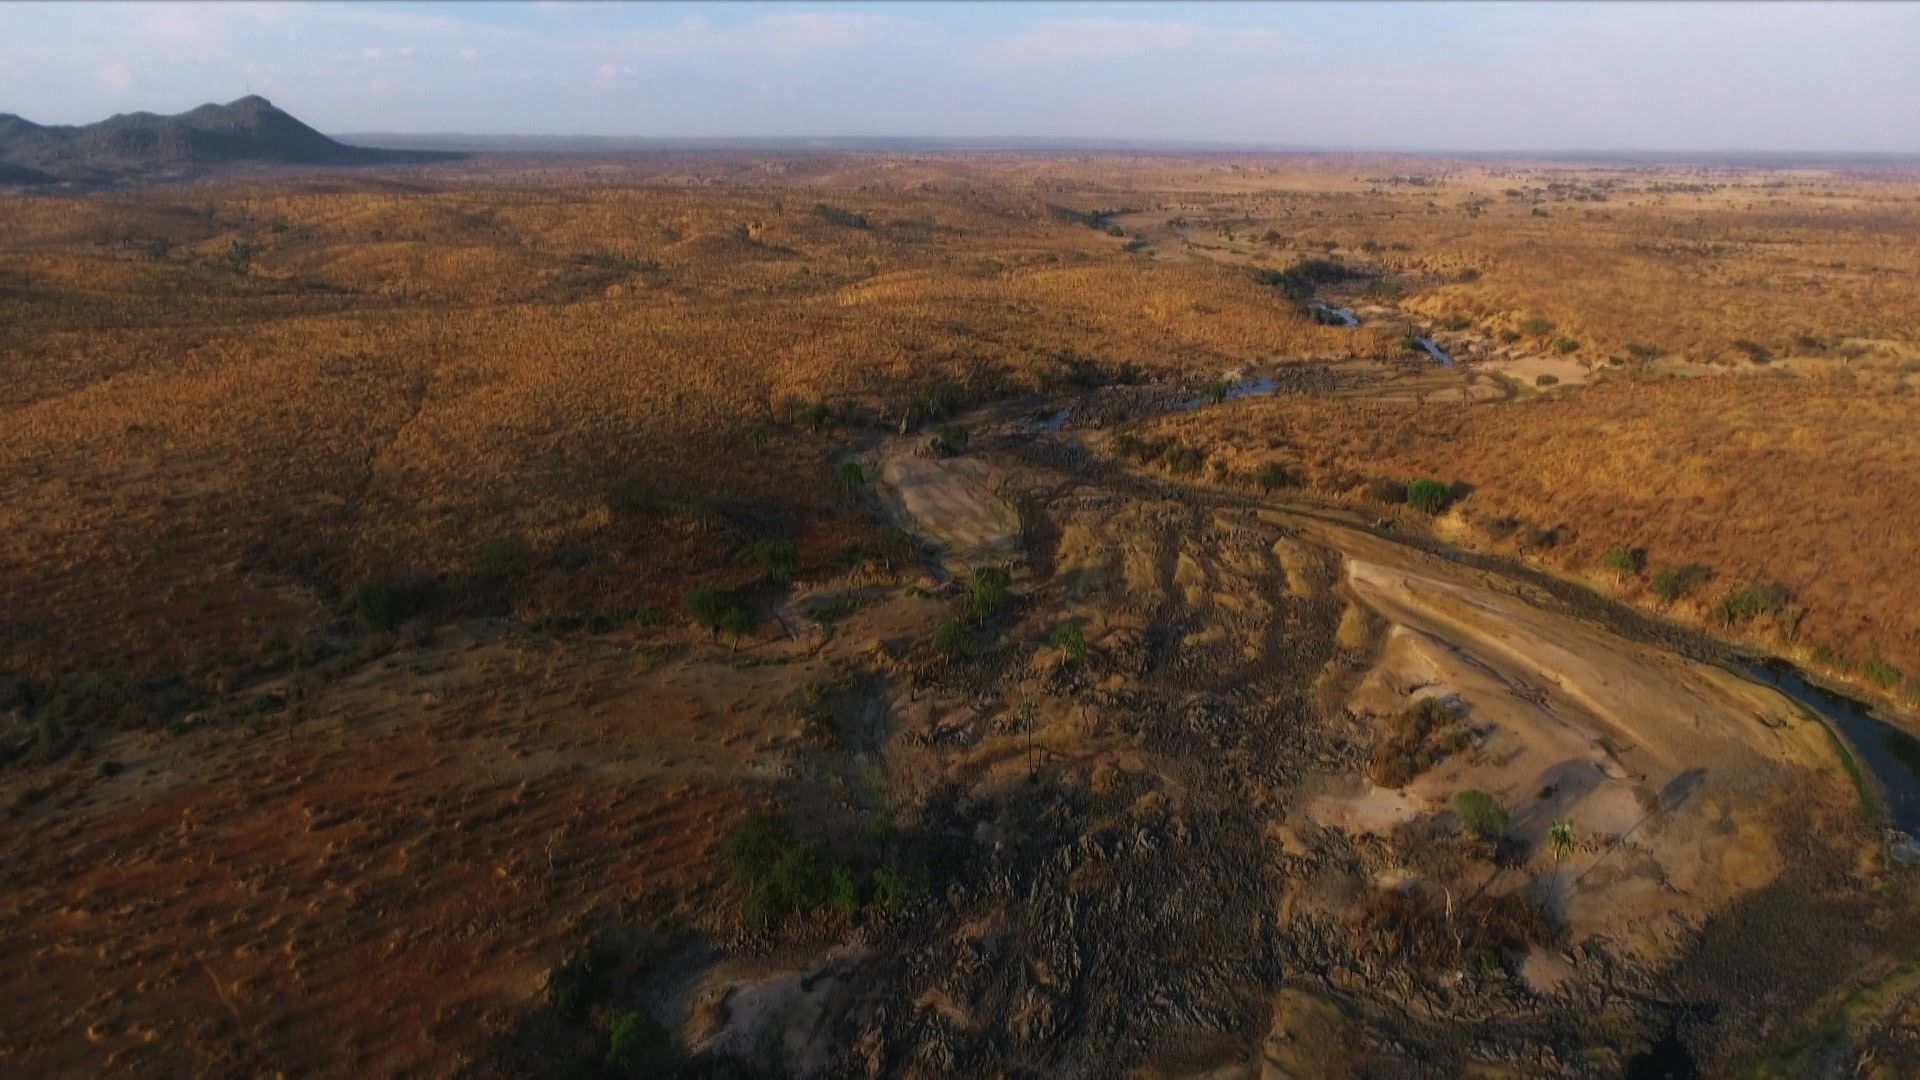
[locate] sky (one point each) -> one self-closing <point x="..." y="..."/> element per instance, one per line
<point x="1418" y="76"/>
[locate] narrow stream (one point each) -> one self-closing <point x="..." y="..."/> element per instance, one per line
<point x="1328" y="315"/>
<point x="1249" y="388"/>
<point x="1891" y="755"/>
<point x="1434" y="351"/>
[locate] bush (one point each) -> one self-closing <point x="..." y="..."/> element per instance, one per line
<point x="1565" y="345"/>
<point x="816" y="417"/>
<point x="1754" y="351"/>
<point x="1547" y="380"/>
<point x="953" y="639"/>
<point x="1138" y="243"/>
<point x="501" y="558"/>
<point x="1481" y="813"/>
<point x="851" y="477"/>
<point x="1391" y="492"/>
<point x="1413" y="741"/>
<point x="1536" y="326"/>
<point x="838" y="216"/>
<point x="1273" y="477"/>
<point x="1383" y="289"/>
<point x="1216" y="391"/>
<point x="636" y="1040"/>
<point x="1882" y="673"/>
<point x="1429" y="496"/>
<point x="779" y="560"/>
<point x="843" y="891"/>
<point x="1749" y="602"/>
<point x="988" y="590"/>
<point x="950" y="439"/>
<point x="384" y="605"/>
<point x="1071" y="639"/>
<point x="1674" y="582"/>
<point x="721" y="611"/>
<point x="1639" y="350"/>
<point x="894" y="889"/>
<point x="1624" y="560"/>
<point x="1185" y="460"/>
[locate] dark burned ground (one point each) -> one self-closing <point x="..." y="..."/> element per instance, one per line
<point x="1130" y="905"/>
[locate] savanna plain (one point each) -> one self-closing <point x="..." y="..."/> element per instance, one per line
<point x="922" y="615"/>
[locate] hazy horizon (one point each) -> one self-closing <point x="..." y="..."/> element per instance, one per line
<point x="1469" y="78"/>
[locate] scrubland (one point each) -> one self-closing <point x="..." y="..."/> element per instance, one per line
<point x="838" y="614"/>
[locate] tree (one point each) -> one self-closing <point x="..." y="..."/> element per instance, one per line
<point x="1561" y="839"/>
<point x="1069" y="638"/>
<point x="1536" y="326"/>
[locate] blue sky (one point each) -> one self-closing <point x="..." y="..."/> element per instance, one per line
<point x="1776" y="76"/>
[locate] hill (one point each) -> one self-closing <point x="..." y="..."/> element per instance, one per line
<point x="249" y="130"/>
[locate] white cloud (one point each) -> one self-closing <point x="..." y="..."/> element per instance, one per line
<point x="1054" y="40"/>
<point x="610" y="75"/>
<point x="114" y="77"/>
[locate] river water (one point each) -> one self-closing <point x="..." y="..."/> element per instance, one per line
<point x="1890" y="754"/>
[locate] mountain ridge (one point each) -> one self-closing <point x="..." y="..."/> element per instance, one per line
<point x="128" y="145"/>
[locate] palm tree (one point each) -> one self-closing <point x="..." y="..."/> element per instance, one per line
<point x="1560" y="839"/>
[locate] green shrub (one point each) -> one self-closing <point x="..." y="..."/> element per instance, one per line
<point x="635" y="1041"/>
<point x="1069" y="638"/>
<point x="384" y="605"/>
<point x="838" y="216"/>
<point x="501" y="558"/>
<point x="1481" y="813"/>
<point x="815" y="417"/>
<point x="843" y="891"/>
<point x="1547" y="380"/>
<point x="1565" y="345"/>
<point x="988" y="590"/>
<point x="1749" y="602"/>
<point x="1673" y="582"/>
<point x="1184" y="460"/>
<point x="1383" y="289"/>
<point x="1215" y="391"/>
<point x="1138" y="243"/>
<point x="1536" y="326"/>
<point x="1391" y="492"/>
<point x="1274" y="476"/>
<point x="1881" y="673"/>
<point x="953" y="639"/>
<point x="1429" y="496"/>
<point x="1639" y="350"/>
<point x="1624" y="560"/>
<point x="894" y="889"/>
<point x="779" y="560"/>
<point x="851" y="477"/>
<point x="802" y="878"/>
<point x="950" y="439"/>
<point x="1754" y="351"/>
<point x="721" y="611"/>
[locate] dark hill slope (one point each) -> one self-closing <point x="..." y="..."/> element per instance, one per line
<point x="133" y="144"/>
